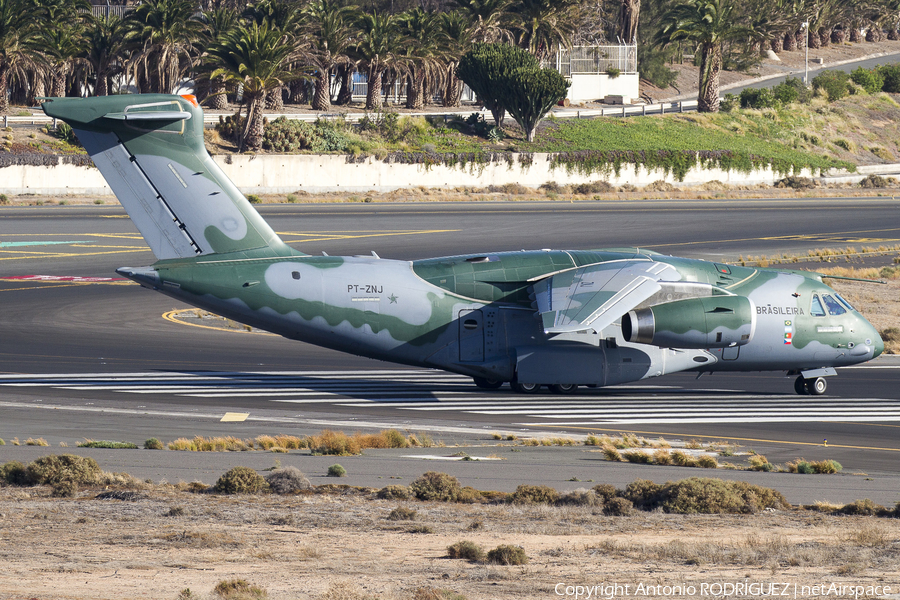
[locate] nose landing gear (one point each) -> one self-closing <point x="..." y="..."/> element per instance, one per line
<point x="815" y="386"/>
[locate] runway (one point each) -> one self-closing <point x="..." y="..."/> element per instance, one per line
<point x="96" y="353"/>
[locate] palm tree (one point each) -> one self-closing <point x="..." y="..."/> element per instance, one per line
<point x="255" y="56"/>
<point x="18" y="35"/>
<point x="165" y="34"/>
<point x="458" y="37"/>
<point x="219" y="23"/>
<point x="284" y="16"/>
<point x="541" y="25"/>
<point x="329" y="29"/>
<point x="105" y="50"/>
<point x="422" y="36"/>
<point x="709" y="24"/>
<point x="376" y="50"/>
<point x="485" y="18"/>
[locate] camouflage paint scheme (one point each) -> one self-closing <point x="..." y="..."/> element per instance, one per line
<point x="547" y="317"/>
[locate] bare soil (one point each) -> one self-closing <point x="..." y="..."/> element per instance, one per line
<point x="343" y="547"/>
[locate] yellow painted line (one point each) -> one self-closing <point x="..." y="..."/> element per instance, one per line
<point x="171" y="316"/>
<point x="76" y="254"/>
<point x="62" y="285"/>
<point x="232" y="417"/>
<point x="725" y="437"/>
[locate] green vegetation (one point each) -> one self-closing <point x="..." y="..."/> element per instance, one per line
<point x="337" y="470"/>
<point x="240" y="480"/>
<point x="507" y="555"/>
<point x="238" y="589"/>
<point x="436" y="486"/>
<point x="106" y="444"/>
<point x="153" y="444"/>
<point x="466" y="550"/>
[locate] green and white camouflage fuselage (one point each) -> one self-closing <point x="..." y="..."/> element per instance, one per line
<point x="547" y="317"/>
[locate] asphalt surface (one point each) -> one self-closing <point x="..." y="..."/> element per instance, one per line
<point x="88" y="358"/>
<point x="869" y="63"/>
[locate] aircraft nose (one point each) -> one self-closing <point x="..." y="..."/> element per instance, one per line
<point x="879" y="344"/>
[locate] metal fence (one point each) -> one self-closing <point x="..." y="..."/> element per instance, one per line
<point x="106" y="11"/>
<point x="594" y="59"/>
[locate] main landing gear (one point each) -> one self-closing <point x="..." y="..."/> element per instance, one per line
<point x="524" y="388"/>
<point x="815" y="386"/>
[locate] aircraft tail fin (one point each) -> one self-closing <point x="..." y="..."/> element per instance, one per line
<point x="150" y="150"/>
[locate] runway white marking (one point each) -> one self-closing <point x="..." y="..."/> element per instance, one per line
<point x="425" y="392"/>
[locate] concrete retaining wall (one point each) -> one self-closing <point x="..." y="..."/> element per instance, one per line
<point x="331" y="173"/>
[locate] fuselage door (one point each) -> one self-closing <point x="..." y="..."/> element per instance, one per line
<point x="471" y="336"/>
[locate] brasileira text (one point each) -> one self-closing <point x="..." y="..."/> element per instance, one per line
<point x="768" y="309"/>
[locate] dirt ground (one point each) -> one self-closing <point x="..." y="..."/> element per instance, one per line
<point x="344" y="547"/>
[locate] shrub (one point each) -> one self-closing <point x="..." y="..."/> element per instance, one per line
<point x="334" y="443"/>
<point x="605" y="491"/>
<point x="394" y="492"/>
<point x="337" y="470"/>
<point x="436" y="486"/>
<point x="239" y="589"/>
<point x="287" y="480"/>
<point x="619" y="507"/>
<point x="240" y="480"/>
<point x="796" y="182"/>
<point x="890" y="74"/>
<point x="611" y="453"/>
<point x="802" y="467"/>
<point x="14" y="473"/>
<point x="757" y="98"/>
<point x="534" y="494"/>
<point x="469" y="495"/>
<point x="579" y="498"/>
<point x="642" y="493"/>
<point x="759" y="462"/>
<point x="54" y="469"/>
<point x="466" y="550"/>
<point x="636" y="456"/>
<point x="862" y="507"/>
<point x="792" y="90"/>
<point x="284" y="136"/>
<point x="833" y="83"/>
<point x="66" y="488"/>
<point x="402" y="513"/>
<point x="707" y="462"/>
<point x="870" y="80"/>
<point x="683" y="459"/>
<point x="705" y="495"/>
<point x="395" y="439"/>
<point x="827" y="466"/>
<point x="154" y="444"/>
<point x="729" y="103"/>
<point x="507" y="555"/>
<point x="107" y="444"/>
<point x="662" y="457"/>
<point x="254" y="199"/>
<point x="874" y="181"/>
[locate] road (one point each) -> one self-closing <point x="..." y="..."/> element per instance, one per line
<point x="87" y="355"/>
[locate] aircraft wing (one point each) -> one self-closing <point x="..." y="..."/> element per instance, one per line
<point x="594" y="296"/>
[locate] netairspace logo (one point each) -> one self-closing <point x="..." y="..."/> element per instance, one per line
<point x="768" y="590"/>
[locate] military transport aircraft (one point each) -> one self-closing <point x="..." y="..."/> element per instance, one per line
<point x="556" y="318"/>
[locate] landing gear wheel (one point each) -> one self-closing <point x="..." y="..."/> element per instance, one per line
<point x="800" y="386"/>
<point x="487" y="384"/>
<point x="816" y="387"/>
<point x="525" y="388"/>
<point x="563" y="388"/>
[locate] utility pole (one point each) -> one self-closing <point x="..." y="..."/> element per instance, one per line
<point x="806" y="76"/>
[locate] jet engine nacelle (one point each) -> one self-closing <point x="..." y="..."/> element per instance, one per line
<point x="713" y="322"/>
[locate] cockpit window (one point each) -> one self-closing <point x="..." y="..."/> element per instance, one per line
<point x="816" y="309"/>
<point x="844" y="302"/>
<point x="834" y="307"/>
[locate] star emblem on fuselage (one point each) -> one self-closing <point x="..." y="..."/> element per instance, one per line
<point x="393" y="299"/>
